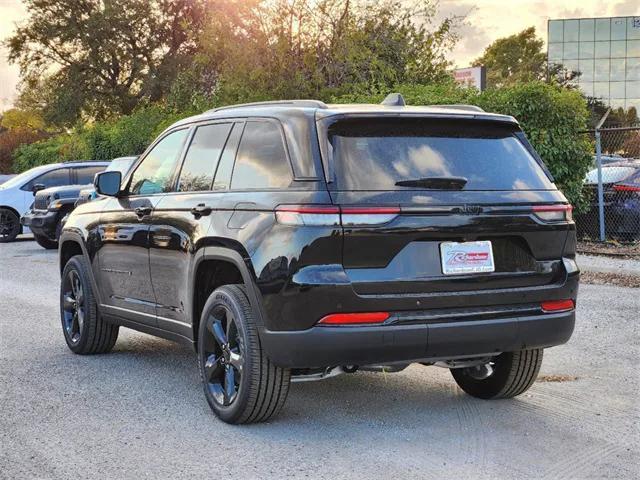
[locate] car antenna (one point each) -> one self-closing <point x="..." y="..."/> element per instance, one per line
<point x="394" y="100"/>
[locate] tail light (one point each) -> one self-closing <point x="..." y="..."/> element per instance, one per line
<point x="308" y="215"/>
<point x="354" y="216"/>
<point x="557" y="305"/>
<point x="331" y="215"/>
<point x="626" y="188"/>
<point x="354" y="318"/>
<point x="554" y="213"/>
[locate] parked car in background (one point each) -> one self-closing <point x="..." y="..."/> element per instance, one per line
<point x="621" y="188"/>
<point x="607" y="159"/>
<point x="52" y="205"/>
<point x="16" y="194"/>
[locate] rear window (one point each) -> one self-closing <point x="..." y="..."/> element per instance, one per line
<point x="374" y="155"/>
<point x="610" y="175"/>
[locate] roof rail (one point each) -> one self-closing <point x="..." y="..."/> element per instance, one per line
<point x="472" y="108"/>
<point x="274" y="103"/>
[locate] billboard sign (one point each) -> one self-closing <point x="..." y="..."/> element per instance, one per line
<point x="471" y="77"/>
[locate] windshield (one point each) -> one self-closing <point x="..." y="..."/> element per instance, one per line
<point x="389" y="154"/>
<point x="609" y="175"/>
<point x="121" y="165"/>
<point x="24" y="177"/>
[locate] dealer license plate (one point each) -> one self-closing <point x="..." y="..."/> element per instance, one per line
<point x="466" y="257"/>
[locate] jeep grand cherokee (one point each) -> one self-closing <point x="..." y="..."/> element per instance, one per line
<point x="296" y="240"/>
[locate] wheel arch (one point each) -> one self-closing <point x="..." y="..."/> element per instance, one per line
<point x="71" y="244"/>
<point x="213" y="268"/>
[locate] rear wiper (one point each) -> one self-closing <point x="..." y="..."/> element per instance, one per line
<point x="436" y="183"/>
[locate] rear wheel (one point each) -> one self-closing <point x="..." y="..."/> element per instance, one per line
<point x="506" y="376"/>
<point x="9" y="225"/>
<point x="241" y="384"/>
<point x="85" y="331"/>
<point x="45" y="242"/>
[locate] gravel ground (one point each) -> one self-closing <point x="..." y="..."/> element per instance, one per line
<point x="139" y="412"/>
<point x="604" y="264"/>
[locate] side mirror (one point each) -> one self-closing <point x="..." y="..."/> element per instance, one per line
<point x="108" y="183"/>
<point x="36" y="188"/>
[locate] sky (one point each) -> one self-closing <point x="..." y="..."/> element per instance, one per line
<point x="486" y="21"/>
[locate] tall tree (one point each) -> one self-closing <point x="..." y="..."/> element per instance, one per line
<point x="310" y="48"/>
<point x="100" y="57"/>
<point x="514" y="59"/>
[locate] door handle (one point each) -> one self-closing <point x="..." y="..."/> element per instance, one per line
<point x="201" y="210"/>
<point x="142" y="211"/>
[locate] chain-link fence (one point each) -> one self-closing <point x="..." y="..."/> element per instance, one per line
<point x="612" y="187"/>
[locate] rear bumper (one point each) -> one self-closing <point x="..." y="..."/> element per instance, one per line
<point x="41" y="223"/>
<point x="368" y="345"/>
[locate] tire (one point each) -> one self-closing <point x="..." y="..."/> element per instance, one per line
<point x="44" y="242"/>
<point x="513" y="374"/>
<point x="85" y="331"/>
<point x="262" y="388"/>
<point x="9" y="225"/>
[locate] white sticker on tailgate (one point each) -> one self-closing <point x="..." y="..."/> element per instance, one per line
<point x="466" y="257"/>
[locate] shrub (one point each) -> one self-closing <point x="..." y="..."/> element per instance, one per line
<point x="12" y="139"/>
<point x="552" y="117"/>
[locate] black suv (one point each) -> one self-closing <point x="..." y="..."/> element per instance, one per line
<point x="296" y="240"/>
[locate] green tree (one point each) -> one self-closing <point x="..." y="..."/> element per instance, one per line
<point x="514" y="59"/>
<point x="100" y="57"/>
<point x="312" y="48"/>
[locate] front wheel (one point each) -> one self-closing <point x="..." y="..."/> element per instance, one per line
<point x="240" y="383"/>
<point x="45" y="242"/>
<point x="505" y="376"/>
<point x="9" y="225"/>
<point x="85" y="331"/>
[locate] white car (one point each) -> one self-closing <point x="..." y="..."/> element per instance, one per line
<point x="16" y="194"/>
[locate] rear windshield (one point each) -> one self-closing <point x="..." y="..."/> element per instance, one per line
<point x="375" y="154"/>
<point x="610" y="175"/>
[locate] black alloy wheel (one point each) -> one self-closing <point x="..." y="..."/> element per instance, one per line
<point x="85" y="331"/>
<point x="223" y="356"/>
<point x="240" y="382"/>
<point x="73" y="310"/>
<point x="9" y="225"/>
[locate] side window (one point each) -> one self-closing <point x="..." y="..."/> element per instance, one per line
<point x="262" y="160"/>
<point x="202" y="157"/>
<point x="153" y="175"/>
<point x="53" y="178"/>
<point x="85" y="174"/>
<point x="225" y="166"/>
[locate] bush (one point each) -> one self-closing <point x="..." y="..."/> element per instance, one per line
<point x="12" y="139"/>
<point x="552" y="117"/>
<point x="129" y="135"/>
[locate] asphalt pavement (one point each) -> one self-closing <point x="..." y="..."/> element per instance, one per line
<point x="139" y="411"/>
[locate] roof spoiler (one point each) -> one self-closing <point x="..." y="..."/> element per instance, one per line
<point x="471" y="108"/>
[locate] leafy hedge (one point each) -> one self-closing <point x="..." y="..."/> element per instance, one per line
<point x="552" y="117"/>
<point x="129" y="135"/>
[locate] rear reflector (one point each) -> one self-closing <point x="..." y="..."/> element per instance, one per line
<point x="557" y="305"/>
<point x="626" y="188"/>
<point x="354" y="318"/>
<point x="333" y="215"/>
<point x="554" y="213"/>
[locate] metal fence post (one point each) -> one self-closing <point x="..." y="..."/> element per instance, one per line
<point x="600" y="187"/>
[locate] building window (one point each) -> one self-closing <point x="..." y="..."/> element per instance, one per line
<point x="571" y="31"/>
<point x="555" y="31"/>
<point x="603" y="29"/>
